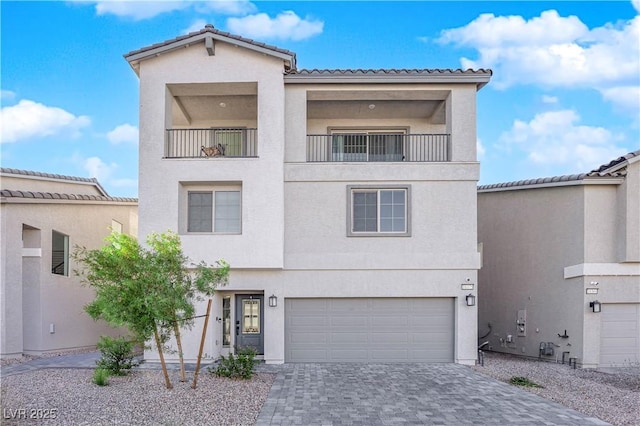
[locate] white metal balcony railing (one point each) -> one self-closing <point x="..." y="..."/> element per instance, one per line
<point x="212" y="142"/>
<point x="360" y="147"/>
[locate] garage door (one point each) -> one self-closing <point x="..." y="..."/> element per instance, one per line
<point x="369" y="330"/>
<point x="620" y="335"/>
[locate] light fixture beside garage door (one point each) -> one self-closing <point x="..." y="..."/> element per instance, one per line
<point x="595" y="306"/>
<point x="471" y="300"/>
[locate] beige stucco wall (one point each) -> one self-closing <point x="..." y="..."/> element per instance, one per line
<point x="19" y="182"/>
<point x="262" y="189"/>
<point x="32" y="297"/>
<point x="523" y="268"/>
<point x="293" y="241"/>
<point x="542" y="249"/>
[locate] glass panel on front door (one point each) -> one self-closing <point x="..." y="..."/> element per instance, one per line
<point x="251" y="316"/>
<point x="226" y="321"/>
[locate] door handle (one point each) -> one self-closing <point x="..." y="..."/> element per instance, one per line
<point x="237" y="328"/>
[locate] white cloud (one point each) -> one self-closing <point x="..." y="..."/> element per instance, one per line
<point x="549" y="99"/>
<point x="556" y="138"/>
<point x="144" y="9"/>
<point x="627" y="97"/>
<point x="138" y="10"/>
<point x="7" y="95"/>
<point x="287" y="25"/>
<point x="197" y="25"/>
<point x="98" y="169"/>
<point x="551" y="51"/>
<point x="636" y="5"/>
<point x="480" y="148"/>
<point x="123" y="133"/>
<point x="29" y="119"/>
<point x="226" y="7"/>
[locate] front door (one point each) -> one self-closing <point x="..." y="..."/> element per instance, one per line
<point x="249" y="322"/>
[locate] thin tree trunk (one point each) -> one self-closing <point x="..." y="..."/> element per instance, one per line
<point x="176" y="331"/>
<point x="204" y="334"/>
<point x="164" y="366"/>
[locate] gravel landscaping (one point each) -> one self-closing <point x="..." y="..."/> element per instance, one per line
<point x="138" y="399"/>
<point x="70" y="396"/>
<point x="612" y="396"/>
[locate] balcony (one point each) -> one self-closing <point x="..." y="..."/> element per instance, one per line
<point x="211" y="142"/>
<point x="378" y="147"/>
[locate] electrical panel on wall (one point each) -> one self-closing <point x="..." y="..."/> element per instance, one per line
<point x="521" y="323"/>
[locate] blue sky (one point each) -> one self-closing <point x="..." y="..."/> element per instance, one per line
<point x="564" y="98"/>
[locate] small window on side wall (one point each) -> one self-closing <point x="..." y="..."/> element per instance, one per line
<point x="378" y="211"/>
<point x="59" y="254"/>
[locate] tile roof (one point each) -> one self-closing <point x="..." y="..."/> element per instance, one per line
<point x="9" y="193"/>
<point x="210" y="29"/>
<point x="391" y="71"/>
<point x="603" y="171"/>
<point x="46" y="175"/>
<point x="618" y="161"/>
<point x="93" y="181"/>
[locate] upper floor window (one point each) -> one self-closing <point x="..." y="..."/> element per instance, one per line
<point x="379" y="211"/>
<point x="362" y="145"/>
<point x="218" y="210"/>
<point x="59" y="254"/>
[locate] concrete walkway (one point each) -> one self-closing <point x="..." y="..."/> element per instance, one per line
<point x="377" y="394"/>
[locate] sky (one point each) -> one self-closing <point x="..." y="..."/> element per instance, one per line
<point x="564" y="97"/>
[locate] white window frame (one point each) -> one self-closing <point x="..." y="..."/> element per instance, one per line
<point x="208" y="188"/>
<point x="351" y="189"/>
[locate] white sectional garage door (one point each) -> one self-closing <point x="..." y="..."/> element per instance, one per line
<point x="369" y="330"/>
<point x="620" y="334"/>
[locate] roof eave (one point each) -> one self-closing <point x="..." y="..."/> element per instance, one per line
<point x="479" y="80"/>
<point x="134" y="58"/>
<point x="588" y="180"/>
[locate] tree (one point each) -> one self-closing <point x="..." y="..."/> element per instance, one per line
<point x="151" y="290"/>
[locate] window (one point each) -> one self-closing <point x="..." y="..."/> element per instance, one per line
<point x="251" y="316"/>
<point x="116" y="226"/>
<point x="59" y="254"/>
<point x="226" y="321"/>
<point x="231" y="141"/>
<point x="378" y="211"/>
<point x="216" y="211"/>
<point x="367" y="146"/>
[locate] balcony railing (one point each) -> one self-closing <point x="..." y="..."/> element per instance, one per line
<point x="212" y="142"/>
<point x="378" y="147"/>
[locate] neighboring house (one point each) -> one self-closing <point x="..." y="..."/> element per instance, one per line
<point x="551" y="248"/>
<point x="43" y="217"/>
<point x="345" y="197"/>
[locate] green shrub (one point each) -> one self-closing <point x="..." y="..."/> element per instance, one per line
<point x="237" y="367"/>
<point x="117" y="355"/>
<point x="101" y="377"/>
<point x="523" y="381"/>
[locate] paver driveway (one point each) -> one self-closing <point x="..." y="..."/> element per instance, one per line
<point x="391" y="394"/>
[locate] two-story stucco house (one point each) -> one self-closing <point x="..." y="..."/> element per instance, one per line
<point x="561" y="266"/>
<point x="344" y="200"/>
<point x="42" y="217"/>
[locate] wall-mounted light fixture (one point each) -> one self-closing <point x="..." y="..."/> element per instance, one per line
<point x="471" y="300"/>
<point x="596" y="306"/>
<point x="273" y="301"/>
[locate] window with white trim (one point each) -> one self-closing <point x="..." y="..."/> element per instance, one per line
<point x="216" y="210"/>
<point x="378" y="211"/>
